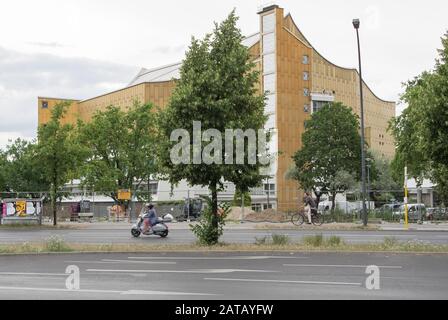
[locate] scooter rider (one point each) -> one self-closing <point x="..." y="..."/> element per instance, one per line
<point x="150" y="218"/>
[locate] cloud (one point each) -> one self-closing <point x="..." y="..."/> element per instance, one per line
<point x="24" y="77"/>
<point x="48" y="44"/>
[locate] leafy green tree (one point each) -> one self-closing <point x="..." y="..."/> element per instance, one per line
<point x="3" y="172"/>
<point x="238" y="199"/>
<point x="58" y="153"/>
<point x="331" y="151"/>
<point x="383" y="186"/>
<point x="421" y="131"/>
<point x="121" y="146"/>
<point x="217" y="87"/>
<point x="23" y="172"/>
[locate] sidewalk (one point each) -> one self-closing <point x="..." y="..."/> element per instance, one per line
<point x="385" y="226"/>
<point x="426" y="226"/>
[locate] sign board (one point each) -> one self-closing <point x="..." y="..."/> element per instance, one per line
<point x="124" y="194"/>
<point x="21" y="208"/>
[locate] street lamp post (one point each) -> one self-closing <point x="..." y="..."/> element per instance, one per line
<point x="356" y="24"/>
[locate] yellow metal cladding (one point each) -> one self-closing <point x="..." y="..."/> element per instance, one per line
<point x="45" y="105"/>
<point x="291" y="102"/>
<point x="157" y="93"/>
<point x="344" y="84"/>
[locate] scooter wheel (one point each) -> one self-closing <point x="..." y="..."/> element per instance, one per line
<point x="135" y="233"/>
<point x="164" y="235"/>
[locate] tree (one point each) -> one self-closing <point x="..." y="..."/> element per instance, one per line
<point x="3" y="171"/>
<point x="58" y="153"/>
<point x="23" y="172"/>
<point x="331" y="151"/>
<point x="121" y="149"/>
<point x="217" y="87"/>
<point x="383" y="187"/>
<point x="421" y="131"/>
<point x="238" y="199"/>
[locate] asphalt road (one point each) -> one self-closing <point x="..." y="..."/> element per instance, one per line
<point x="105" y="236"/>
<point x="225" y="276"/>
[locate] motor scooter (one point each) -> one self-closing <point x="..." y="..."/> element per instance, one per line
<point x="159" y="229"/>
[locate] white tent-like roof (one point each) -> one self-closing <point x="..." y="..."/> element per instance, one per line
<point x="172" y="71"/>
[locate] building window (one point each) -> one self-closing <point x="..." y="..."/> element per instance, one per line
<point x="269" y="83"/>
<point x="305" y="59"/>
<point x="44" y="104"/>
<point x="269" y="189"/>
<point x="267" y="206"/>
<point x="306" y="76"/>
<point x="317" y="105"/>
<point x="269" y="23"/>
<point x="306" y="92"/>
<point x="256" y="207"/>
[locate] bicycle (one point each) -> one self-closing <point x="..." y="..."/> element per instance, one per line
<point x="316" y="218"/>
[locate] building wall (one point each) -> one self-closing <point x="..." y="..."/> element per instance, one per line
<point x="291" y="102"/>
<point x="344" y="84"/>
<point x="157" y="93"/>
<point x="44" y="114"/>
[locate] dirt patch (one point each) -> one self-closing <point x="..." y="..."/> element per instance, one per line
<point x="270" y="215"/>
<point x="235" y="213"/>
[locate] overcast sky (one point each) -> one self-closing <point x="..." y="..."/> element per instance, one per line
<point x="82" y="48"/>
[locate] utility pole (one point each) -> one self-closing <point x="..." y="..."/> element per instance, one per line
<point x="356" y="24"/>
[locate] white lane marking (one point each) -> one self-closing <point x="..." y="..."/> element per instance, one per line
<point x="179" y="271"/>
<point x="129" y="292"/>
<point x="286" y="281"/>
<point x="31" y="274"/>
<point x="218" y="258"/>
<point x="340" y="266"/>
<point x="103" y="261"/>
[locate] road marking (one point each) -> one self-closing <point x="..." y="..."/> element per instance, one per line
<point x="340" y="266"/>
<point x="31" y="274"/>
<point x="219" y="258"/>
<point x="123" y="261"/>
<point x="180" y="271"/>
<point x="129" y="292"/>
<point x="286" y="281"/>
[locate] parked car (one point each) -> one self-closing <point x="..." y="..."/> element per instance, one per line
<point x="416" y="212"/>
<point x="436" y="214"/>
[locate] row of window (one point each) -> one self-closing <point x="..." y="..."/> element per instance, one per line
<point x="258" y="207"/>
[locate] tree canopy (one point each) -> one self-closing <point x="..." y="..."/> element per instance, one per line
<point x="120" y="148"/>
<point x="331" y="151"/>
<point x="217" y="87"/>
<point x="58" y="153"/>
<point x="421" y="131"/>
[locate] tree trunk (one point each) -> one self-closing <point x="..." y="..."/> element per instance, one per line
<point x="53" y="204"/>
<point x="214" y="206"/>
<point x="333" y="202"/>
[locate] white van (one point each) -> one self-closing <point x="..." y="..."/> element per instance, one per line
<point x="416" y="211"/>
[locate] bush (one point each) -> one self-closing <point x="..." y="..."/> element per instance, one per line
<point x="315" y="241"/>
<point x="334" y="241"/>
<point x="390" y="242"/>
<point x="56" y="244"/>
<point x="280" y="239"/>
<point x="261" y="241"/>
<point x="204" y="230"/>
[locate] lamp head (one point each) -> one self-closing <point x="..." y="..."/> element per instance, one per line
<point x="356" y="23"/>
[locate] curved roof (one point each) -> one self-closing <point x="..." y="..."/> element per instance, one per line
<point x="172" y="71"/>
<point x="333" y="64"/>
